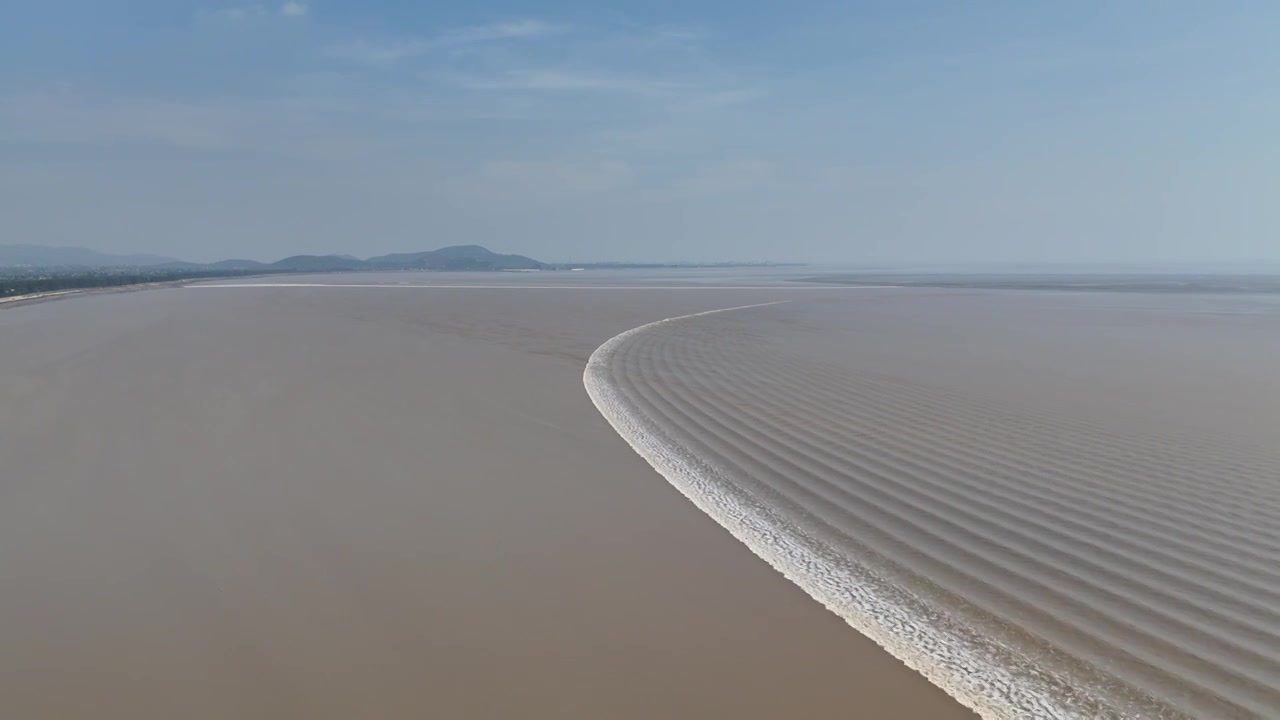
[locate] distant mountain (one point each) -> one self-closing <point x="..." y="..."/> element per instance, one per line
<point x="400" y="261"/>
<point x="237" y="265"/>
<point x="454" y="258"/>
<point x="318" y="263"/>
<point x="41" y="256"/>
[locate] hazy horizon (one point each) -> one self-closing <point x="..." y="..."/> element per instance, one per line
<point x="873" y="133"/>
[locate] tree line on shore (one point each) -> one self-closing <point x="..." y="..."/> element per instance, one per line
<point x="32" y="283"/>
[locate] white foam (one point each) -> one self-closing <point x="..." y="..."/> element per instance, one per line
<point x="37" y="296"/>
<point x="974" y="670"/>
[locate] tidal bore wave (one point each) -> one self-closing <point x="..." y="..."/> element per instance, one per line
<point x="1025" y="567"/>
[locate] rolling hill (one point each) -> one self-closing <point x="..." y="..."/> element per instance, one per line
<point x="40" y="256"/>
<point x="457" y="257"/>
<point x="454" y="258"/>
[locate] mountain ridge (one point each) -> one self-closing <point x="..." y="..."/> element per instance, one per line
<point x="20" y="255"/>
<point x="449" y="258"/>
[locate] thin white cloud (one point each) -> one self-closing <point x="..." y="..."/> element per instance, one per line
<point x="244" y="13"/>
<point x="498" y="31"/>
<point x="238" y="14"/>
<point x="367" y="52"/>
<point x="567" y="81"/>
<point x="678" y="33"/>
<point x="390" y="52"/>
<point x="725" y="98"/>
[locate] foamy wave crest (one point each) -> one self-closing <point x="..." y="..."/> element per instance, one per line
<point x="975" y="671"/>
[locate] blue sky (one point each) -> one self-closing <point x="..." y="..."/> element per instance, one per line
<point x="839" y="132"/>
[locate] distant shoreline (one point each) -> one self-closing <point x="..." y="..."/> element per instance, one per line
<point x="22" y="286"/>
<point x="1075" y="282"/>
<point x="60" y="286"/>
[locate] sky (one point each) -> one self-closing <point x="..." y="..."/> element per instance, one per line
<point x="841" y="132"/>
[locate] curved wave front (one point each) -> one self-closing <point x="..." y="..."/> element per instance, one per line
<point x="909" y="632"/>
<point x="1040" y="608"/>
